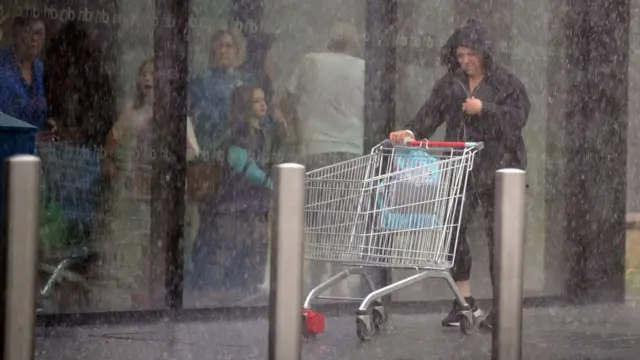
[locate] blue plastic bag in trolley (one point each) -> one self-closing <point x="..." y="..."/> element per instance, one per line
<point x="402" y="199"/>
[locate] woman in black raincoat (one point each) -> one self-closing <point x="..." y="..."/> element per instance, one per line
<point x="480" y="101"/>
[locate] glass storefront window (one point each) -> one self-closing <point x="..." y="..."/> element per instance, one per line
<point x="250" y="73"/>
<point x="268" y="65"/>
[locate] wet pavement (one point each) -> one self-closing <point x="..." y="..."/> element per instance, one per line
<point x="591" y="332"/>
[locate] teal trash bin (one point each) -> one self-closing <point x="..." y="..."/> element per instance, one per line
<point x="16" y="138"/>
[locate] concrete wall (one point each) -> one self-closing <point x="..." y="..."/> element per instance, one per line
<point x="633" y="160"/>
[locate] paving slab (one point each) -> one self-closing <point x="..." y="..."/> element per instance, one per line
<point x="598" y="332"/>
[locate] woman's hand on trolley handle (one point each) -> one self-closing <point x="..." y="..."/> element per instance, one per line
<point x="401" y="137"/>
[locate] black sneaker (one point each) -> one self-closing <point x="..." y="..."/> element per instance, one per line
<point x="453" y="319"/>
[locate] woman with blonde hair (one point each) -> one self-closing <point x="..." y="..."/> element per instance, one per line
<point x="209" y="94"/>
<point x="209" y="102"/>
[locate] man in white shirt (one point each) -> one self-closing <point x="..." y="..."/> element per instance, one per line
<point x="324" y="105"/>
<point x="325" y="100"/>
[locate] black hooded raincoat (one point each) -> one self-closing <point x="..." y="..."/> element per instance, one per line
<point x="505" y="108"/>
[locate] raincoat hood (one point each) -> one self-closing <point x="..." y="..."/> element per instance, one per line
<point x="474" y="35"/>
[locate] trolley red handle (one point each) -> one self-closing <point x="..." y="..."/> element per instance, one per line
<point x="450" y="144"/>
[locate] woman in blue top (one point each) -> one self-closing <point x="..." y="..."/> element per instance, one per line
<point x="230" y="252"/>
<point x="21" y="74"/>
<point x="209" y="94"/>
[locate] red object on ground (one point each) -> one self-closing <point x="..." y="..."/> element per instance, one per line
<point x="314" y="321"/>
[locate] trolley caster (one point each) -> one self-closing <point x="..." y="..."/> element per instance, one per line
<point x="379" y="318"/>
<point x="364" y="327"/>
<point x="468" y="324"/>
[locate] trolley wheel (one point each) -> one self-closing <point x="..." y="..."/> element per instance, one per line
<point x="364" y="328"/>
<point x="467" y="323"/>
<point x="379" y="318"/>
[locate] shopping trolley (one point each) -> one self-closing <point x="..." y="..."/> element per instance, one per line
<point x="397" y="207"/>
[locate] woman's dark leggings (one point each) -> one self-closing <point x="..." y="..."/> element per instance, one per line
<point x="462" y="265"/>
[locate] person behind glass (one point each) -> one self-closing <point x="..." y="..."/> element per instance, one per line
<point x="230" y="252"/>
<point x="209" y="94"/>
<point x="125" y="212"/>
<point x="22" y="93"/>
<point x="130" y="137"/>
<point x="262" y="62"/>
<point x="324" y="100"/>
<point x="324" y="106"/>
<point x="479" y="100"/>
<point x="129" y="143"/>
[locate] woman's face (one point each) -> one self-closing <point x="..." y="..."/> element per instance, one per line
<point x="470" y="61"/>
<point x="30" y="40"/>
<point x="224" y="52"/>
<point x="259" y="105"/>
<point x="146" y="81"/>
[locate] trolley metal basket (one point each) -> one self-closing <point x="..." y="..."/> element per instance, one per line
<point x="398" y="207"/>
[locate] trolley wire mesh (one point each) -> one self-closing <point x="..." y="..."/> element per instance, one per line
<point x="366" y="212"/>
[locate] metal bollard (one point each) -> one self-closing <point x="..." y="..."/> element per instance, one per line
<point x="285" y="298"/>
<point x="508" y="266"/>
<point x="20" y="227"/>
